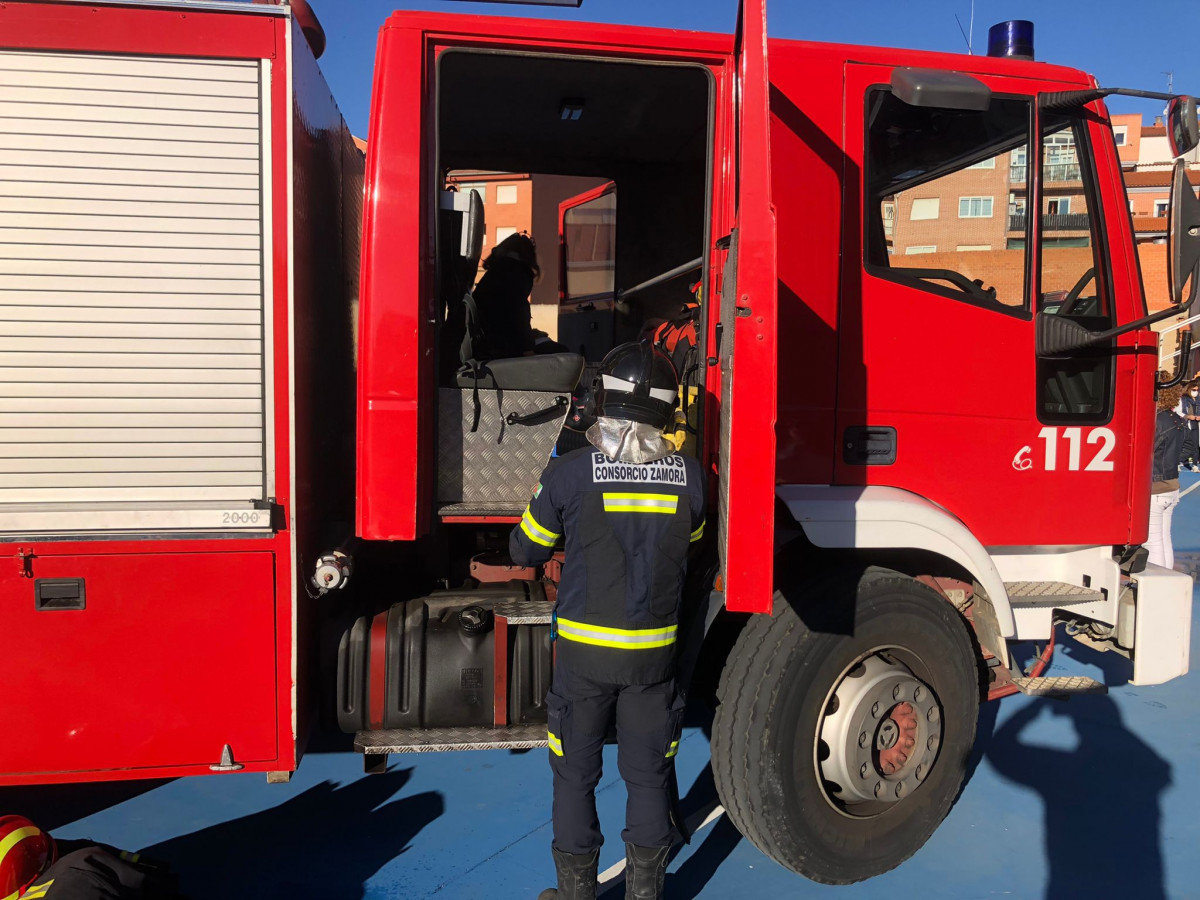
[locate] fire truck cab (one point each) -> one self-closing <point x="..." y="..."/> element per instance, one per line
<point x="910" y="467"/>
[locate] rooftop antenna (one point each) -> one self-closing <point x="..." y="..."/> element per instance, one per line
<point x="1170" y="82"/>
<point x="971" y="38"/>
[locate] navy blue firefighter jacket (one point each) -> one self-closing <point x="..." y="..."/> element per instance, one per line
<point x="626" y="531"/>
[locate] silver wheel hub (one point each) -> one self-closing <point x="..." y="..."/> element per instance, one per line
<point x="880" y="734"/>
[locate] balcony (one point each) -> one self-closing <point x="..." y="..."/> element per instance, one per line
<point x="1061" y="172"/>
<point x="1056" y="222"/>
<point x="1055" y="172"/>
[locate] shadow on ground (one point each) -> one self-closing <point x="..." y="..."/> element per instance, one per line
<point x="324" y="843"/>
<point x="52" y="806"/>
<point x="1108" y="785"/>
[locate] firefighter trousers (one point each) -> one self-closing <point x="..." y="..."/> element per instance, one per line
<point x="648" y="718"/>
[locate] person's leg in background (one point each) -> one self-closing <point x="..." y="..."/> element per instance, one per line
<point x="1158" y="541"/>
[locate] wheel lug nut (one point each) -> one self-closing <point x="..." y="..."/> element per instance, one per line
<point x="933" y="715"/>
<point x="896" y="692"/>
<point x="932" y="743"/>
<point x="863" y="740"/>
<point x="875" y="710"/>
<point x="899" y="790"/>
<point x="878" y="789"/>
<point x="862" y="773"/>
<point x="920" y="773"/>
<point x="918" y="693"/>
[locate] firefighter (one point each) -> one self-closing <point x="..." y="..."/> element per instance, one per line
<point x="33" y="865"/>
<point x="628" y="508"/>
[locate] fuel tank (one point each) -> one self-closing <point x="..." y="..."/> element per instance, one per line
<point x="431" y="662"/>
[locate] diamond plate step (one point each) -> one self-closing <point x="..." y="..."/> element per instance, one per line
<point x="432" y="740"/>
<point x="1050" y="593"/>
<point x="525" y="612"/>
<point x="482" y="510"/>
<point x="1059" y="686"/>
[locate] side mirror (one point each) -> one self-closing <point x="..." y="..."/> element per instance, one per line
<point x="1183" y="130"/>
<point x="1183" y="237"/>
<point x="472" y="245"/>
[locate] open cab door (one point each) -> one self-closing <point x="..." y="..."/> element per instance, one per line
<point x="587" y="291"/>
<point x="749" y="306"/>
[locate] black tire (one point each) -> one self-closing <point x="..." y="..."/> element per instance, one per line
<point x="776" y="693"/>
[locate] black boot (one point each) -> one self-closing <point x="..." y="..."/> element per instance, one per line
<point x="576" y="876"/>
<point x="645" y="870"/>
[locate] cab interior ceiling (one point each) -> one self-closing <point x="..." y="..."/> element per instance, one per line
<point x="646" y="127"/>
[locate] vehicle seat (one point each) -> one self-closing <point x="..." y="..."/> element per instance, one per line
<point x="554" y="372"/>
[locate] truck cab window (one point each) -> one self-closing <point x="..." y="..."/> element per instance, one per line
<point x="1075" y="388"/>
<point x="939" y="196"/>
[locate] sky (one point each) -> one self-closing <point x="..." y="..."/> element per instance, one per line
<point x="1123" y="44"/>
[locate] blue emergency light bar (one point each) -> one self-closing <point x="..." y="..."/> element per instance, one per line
<point x="1013" y="39"/>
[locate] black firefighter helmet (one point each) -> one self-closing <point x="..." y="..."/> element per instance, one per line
<point x="637" y="382"/>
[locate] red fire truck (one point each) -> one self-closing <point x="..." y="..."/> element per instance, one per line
<point x="246" y="479"/>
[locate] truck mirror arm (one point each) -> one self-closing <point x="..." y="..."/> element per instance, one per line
<point x="1075" y="99"/>
<point x="1057" y="335"/>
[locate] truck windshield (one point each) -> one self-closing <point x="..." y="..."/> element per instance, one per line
<point x="941" y="209"/>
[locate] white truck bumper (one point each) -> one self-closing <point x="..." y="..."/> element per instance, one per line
<point x="1162" y="625"/>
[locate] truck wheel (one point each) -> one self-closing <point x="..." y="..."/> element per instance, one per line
<point x="844" y="724"/>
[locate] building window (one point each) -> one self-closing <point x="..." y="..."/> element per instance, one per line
<point x="1058" y="206"/>
<point x="974" y="207"/>
<point x="1161" y="207"/>
<point x="503" y="232"/>
<point x="924" y="248"/>
<point x="989" y="163"/>
<point x="968" y="248"/>
<point x="1119" y="134"/>
<point x="925" y="208"/>
<point x="506" y="193"/>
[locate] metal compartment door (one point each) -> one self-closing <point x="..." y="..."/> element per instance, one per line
<point x="127" y="661"/>
<point x="749" y="305"/>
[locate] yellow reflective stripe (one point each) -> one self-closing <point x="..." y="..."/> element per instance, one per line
<point x="641" y="503"/>
<point x="535" y="532"/>
<point x="628" y="632"/>
<point x="617" y="638"/>
<point x="673" y="749"/>
<point x="12" y="839"/>
<point x="555" y="743"/>
<point x="12" y="896"/>
<point x="697" y="534"/>
<point x="635" y="496"/>
<point x="130" y="857"/>
<point x="37" y="890"/>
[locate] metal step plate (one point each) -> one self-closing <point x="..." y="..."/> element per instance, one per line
<point x="1050" y="593"/>
<point x="433" y="740"/>
<point x="525" y="612"/>
<point x="1059" y="686"/>
<point x="507" y="511"/>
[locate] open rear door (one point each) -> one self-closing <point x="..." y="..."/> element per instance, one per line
<point x="749" y="304"/>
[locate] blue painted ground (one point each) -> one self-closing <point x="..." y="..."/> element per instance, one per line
<point x="1095" y="797"/>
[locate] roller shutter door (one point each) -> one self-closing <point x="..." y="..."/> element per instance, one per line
<point x="132" y="313"/>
